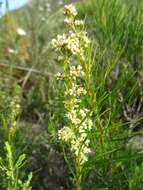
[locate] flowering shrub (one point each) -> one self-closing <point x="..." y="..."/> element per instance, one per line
<point x="74" y="44"/>
<point x="72" y="47"/>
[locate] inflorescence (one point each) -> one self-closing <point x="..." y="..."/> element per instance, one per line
<point x="74" y="44"/>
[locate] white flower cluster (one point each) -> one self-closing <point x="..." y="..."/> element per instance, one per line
<point x="79" y="117"/>
<point x="76" y="71"/>
<point x="60" y="42"/>
<point x="74" y="44"/>
<point x="77" y="135"/>
<point x="80" y="147"/>
<point x="66" y="134"/>
<point x="59" y="76"/>
<point x="70" y="10"/>
<point x="75" y="90"/>
<point x="76" y="41"/>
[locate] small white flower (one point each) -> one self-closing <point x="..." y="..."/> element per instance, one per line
<point x="83" y="112"/>
<point x="21" y="32"/>
<point x="66" y="134"/>
<point x="79" y="68"/>
<point x="70" y="10"/>
<point x="78" y="22"/>
<point x="69" y="21"/>
<point x="12" y="51"/>
<point x="59" y="76"/>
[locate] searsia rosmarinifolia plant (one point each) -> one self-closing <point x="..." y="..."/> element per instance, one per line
<point x="79" y="116"/>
